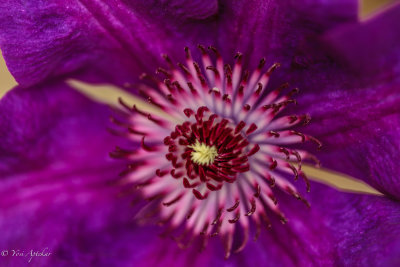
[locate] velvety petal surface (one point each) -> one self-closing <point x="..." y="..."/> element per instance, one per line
<point x="371" y="48"/>
<point x="339" y="230"/>
<point x="356" y="111"/>
<point x="281" y="31"/>
<point x="45" y="129"/>
<point x="118" y="40"/>
<point x="55" y="170"/>
<point x="360" y="131"/>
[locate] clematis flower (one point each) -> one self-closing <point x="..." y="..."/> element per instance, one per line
<point x="58" y="182"/>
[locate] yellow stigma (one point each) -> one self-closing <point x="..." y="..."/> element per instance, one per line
<point x="203" y="154"/>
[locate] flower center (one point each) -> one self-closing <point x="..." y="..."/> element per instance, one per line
<point x="203" y="154"/>
<point x="217" y="169"/>
<point x="207" y="150"/>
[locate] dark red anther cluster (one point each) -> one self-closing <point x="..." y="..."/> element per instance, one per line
<point x="231" y="145"/>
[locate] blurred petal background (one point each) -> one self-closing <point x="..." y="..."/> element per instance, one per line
<point x="367" y="9"/>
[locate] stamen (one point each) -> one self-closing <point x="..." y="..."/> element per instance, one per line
<point x="213" y="168"/>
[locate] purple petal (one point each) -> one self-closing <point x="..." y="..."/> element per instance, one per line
<point x="43" y="128"/>
<point x="359" y="129"/>
<point x="355" y="112"/>
<point x="279" y="30"/>
<point x="372" y="48"/>
<point x="339" y="229"/>
<point x="55" y="169"/>
<point x="117" y="40"/>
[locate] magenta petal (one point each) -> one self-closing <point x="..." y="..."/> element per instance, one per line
<point x="370" y="48"/>
<point x="43" y="128"/>
<point x="181" y="10"/>
<point x="339" y="229"/>
<point x="118" y="40"/>
<point x="55" y="169"/>
<point x="45" y="39"/>
<point x="356" y="115"/>
<point x="279" y="29"/>
<point x="359" y="129"/>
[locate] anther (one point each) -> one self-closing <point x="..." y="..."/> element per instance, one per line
<point x="234" y="206"/>
<point x="238" y="56"/>
<point x="261" y="64"/>
<point x="234" y="220"/>
<point x="272" y="68"/>
<point x="202" y="49"/>
<point x="145" y="147"/>
<point x="198" y="195"/>
<point x="253" y="207"/>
